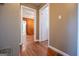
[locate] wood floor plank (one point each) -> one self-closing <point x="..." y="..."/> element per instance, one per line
<point x="36" y="48"/>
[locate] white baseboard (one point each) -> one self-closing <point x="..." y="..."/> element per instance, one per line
<point x="39" y="40"/>
<point x="36" y="40"/>
<point x="42" y="40"/>
<point x="57" y="50"/>
<point x="20" y="43"/>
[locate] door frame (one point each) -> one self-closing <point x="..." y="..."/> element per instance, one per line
<point x="46" y="5"/>
<point x="34" y="10"/>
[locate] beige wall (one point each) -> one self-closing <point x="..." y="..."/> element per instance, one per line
<point x="63" y="32"/>
<point x="37" y="25"/>
<point x="10" y="35"/>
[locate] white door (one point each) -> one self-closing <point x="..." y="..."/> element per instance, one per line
<point x="44" y="21"/>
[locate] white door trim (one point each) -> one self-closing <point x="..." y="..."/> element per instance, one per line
<point x="34" y="10"/>
<point x="39" y="22"/>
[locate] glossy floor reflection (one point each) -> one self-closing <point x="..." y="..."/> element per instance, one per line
<point x="31" y="48"/>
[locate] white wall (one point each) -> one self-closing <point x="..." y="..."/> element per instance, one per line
<point x="10" y="27"/>
<point x="26" y="12"/>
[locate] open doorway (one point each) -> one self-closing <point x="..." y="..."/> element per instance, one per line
<point x="28" y="25"/>
<point x="35" y="47"/>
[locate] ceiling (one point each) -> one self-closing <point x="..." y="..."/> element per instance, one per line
<point x="38" y="4"/>
<point x="34" y="5"/>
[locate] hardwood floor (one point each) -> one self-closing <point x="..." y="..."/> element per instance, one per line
<point x="31" y="48"/>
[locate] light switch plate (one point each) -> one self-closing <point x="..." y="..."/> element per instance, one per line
<point x="59" y="17"/>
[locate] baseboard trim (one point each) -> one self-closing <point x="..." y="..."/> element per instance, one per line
<point x="20" y="43"/>
<point x="59" y="51"/>
<point x="39" y="40"/>
<point x="42" y="40"/>
<point x="36" y="40"/>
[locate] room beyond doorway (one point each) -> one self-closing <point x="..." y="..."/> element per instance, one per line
<point x="28" y="24"/>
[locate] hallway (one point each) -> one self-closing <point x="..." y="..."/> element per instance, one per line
<point x="32" y="48"/>
<point x="61" y="30"/>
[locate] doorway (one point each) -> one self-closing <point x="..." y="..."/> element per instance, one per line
<point x="28" y="25"/>
<point x="44" y="23"/>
